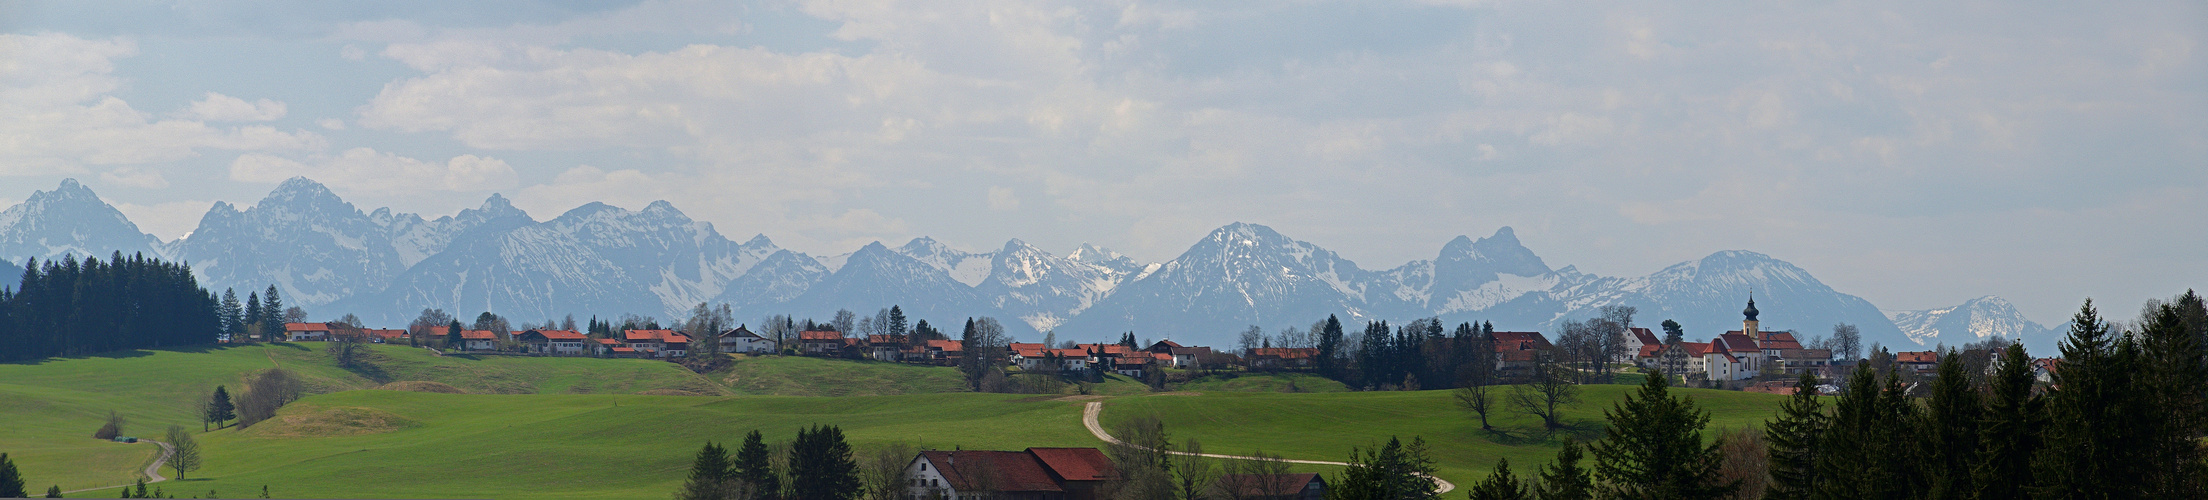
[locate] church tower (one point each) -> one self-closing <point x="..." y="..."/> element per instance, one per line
<point x="1748" y="326"/>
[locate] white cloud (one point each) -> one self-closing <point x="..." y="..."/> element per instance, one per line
<point x="331" y="123"/>
<point x="365" y="169"/>
<point x="135" y="177"/>
<point x="166" y="220"/>
<point x="221" y="108"/>
<point x="1001" y="198"/>
<point x="58" y="116"/>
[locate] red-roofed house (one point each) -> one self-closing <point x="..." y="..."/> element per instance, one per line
<point x="820" y="342"/>
<point x="942" y="351"/>
<point x="674" y="345"/>
<point x="1069" y="359"/>
<point x="1635" y="341"/>
<point x="647" y="343"/>
<point x="742" y="340"/>
<point x="885" y="347"/>
<point x="605" y="347"/>
<point x="1516" y="353"/>
<point x="300" y="332"/>
<point x="1924" y="362"/>
<point x="1036" y="473"/>
<point x="1025" y="355"/>
<point x="479" y="340"/>
<point x="1305" y="486"/>
<point x="553" y="341"/>
<point x="1291" y="358"/>
<point x="1744" y="349"/>
<point x="384" y="336"/>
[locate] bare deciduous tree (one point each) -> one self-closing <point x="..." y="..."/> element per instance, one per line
<point x="884" y="471"/>
<point x="1249" y="479"/>
<point x="1546" y="394"/>
<point x="1192" y="472"/>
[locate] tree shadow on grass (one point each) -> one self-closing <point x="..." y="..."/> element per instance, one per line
<point x="1584" y="431"/>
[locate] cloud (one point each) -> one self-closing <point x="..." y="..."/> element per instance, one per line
<point x="1001" y="198"/>
<point x="166" y="220"/>
<point x="59" y="117"/>
<point x="365" y="169"/>
<point x="221" y="108"/>
<point x="135" y="177"/>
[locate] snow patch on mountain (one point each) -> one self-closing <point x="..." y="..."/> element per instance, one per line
<point x="1973" y="321"/>
<point x="70" y="220"/>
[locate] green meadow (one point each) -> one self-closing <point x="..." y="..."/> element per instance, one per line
<point x="597" y="428"/>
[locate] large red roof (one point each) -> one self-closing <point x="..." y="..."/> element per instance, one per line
<point x="1739" y="342"/>
<point x="1076" y="464"/>
<point x="645" y="335"/>
<point x="1000" y="471"/>
<point x="555" y="334"/>
<point x="1926" y="357"/>
<point x="306" y="327"/>
<point x="820" y="335"/>
<point x="1519" y="341"/>
<point x="478" y="335"/>
<point x="1645" y="336"/>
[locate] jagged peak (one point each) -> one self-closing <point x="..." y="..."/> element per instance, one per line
<point x="759" y="240"/>
<point x="1018" y="245"/>
<point x="588" y="209"/>
<point x="662" y="207"/>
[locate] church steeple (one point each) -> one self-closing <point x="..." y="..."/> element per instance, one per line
<point x="1748" y="325"/>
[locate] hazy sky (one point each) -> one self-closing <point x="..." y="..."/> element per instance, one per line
<point x="1915" y="153"/>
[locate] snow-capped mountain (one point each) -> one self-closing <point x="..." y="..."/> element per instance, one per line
<point x="877" y="277"/>
<point x="1974" y="321"/>
<point x="594" y="260"/>
<point x="1044" y="290"/>
<point x="302" y="238"/>
<point x="1239" y="275"/>
<point x="1706" y="296"/>
<point x="775" y="280"/>
<point x="70" y="220"/>
<point x="964" y="267"/>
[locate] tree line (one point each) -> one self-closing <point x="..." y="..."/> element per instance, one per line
<point x="68" y="307"/>
<point x="2122" y="414"/>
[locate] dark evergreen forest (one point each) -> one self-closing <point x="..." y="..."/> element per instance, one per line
<point x="72" y="308"/>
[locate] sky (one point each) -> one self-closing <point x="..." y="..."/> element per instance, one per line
<point x="1917" y="154"/>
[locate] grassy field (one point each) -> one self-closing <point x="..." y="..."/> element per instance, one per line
<point x="1263" y="382"/>
<point x="1324" y="426"/>
<point x="575" y="427"/>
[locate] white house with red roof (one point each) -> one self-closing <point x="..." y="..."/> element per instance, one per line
<point x="301" y="332"/>
<point x="563" y="342"/>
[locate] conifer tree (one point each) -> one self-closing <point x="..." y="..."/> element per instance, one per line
<point x="1951" y="426"/>
<point x="453" y="339"/>
<point x="754" y="466"/>
<point x="1501" y="485"/>
<point x="1655" y="448"/>
<point x="2092" y="446"/>
<point x="11" y="481"/>
<point x="55" y="492"/>
<point x="254" y="322"/>
<point x="1793" y="440"/>
<point x="2174" y="394"/>
<point x="272" y="312"/>
<point x="2010" y="435"/>
<point x="1565" y="479"/>
<point x="221" y="409"/>
<point x="233" y="314"/>
<point x="1330" y="348"/>
<point x="710" y="477"/>
<point x="821" y="466"/>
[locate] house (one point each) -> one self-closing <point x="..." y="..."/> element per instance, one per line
<point x="1031" y="474"/>
<point x="1133" y="364"/>
<point x="1743" y="348"/>
<point x="1923" y="362"/>
<point x="1283" y="358"/>
<point x="647" y="343"/>
<point x="1027" y="356"/>
<point x="1818" y="361"/>
<point x="1182" y="356"/>
<point x="605" y="347"/>
<point x="942" y="351"/>
<point x="1516" y="353"/>
<point x="742" y="340"/>
<point x="1071" y="360"/>
<point x="885" y="347"/>
<point x="562" y="342"/>
<point x="820" y="342"/>
<point x="674" y="345"/>
<point x="384" y="336"/>
<point x="1305" y="486"/>
<point x="1637" y="340"/>
<point x="1649" y="356"/>
<point x="479" y="340"/>
<point x="301" y="332"/>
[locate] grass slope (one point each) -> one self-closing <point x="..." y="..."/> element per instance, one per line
<point x="801" y="376"/>
<point x="1324" y="426"/>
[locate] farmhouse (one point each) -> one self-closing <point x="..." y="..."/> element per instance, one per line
<point x="478" y="340"/>
<point x="1283" y="358"/>
<point x="384" y="336"/>
<point x="820" y="342"/>
<point x="300" y="332"/>
<point x="742" y="340"/>
<point x="1305" y="486"/>
<point x="553" y="341"/>
<point x="1031" y="474"/>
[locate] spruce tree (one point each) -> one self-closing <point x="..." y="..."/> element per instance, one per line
<point x="55" y="492"/>
<point x="272" y="312"/>
<point x="710" y="477"/>
<point x="1951" y="426"/>
<point x="2172" y="395"/>
<point x="755" y="466"/>
<point x="233" y="314"/>
<point x="2092" y="446"/>
<point x="1793" y="441"/>
<point x="1501" y="485"/>
<point x="1565" y="479"/>
<point x="821" y="466"/>
<point x="221" y="409"/>
<point x="254" y="322"/>
<point x="11" y="481"/>
<point x="1655" y="448"/>
<point x="453" y="338"/>
<point x="1860" y="455"/>
<point x="2010" y="435"/>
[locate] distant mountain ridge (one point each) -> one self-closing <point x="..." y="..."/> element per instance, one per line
<point x="1975" y="320"/>
<point x="330" y="257"/>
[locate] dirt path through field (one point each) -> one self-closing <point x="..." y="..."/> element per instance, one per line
<point x="153" y="472"/>
<point x="1095" y="409"/>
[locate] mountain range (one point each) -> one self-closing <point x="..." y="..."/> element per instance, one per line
<point x="332" y="258"/>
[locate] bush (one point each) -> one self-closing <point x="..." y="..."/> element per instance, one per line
<point x="113" y="428"/>
<point x="265" y="394"/>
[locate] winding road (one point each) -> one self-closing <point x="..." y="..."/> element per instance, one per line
<point x="153" y="472"/>
<point x="1095" y="409"/>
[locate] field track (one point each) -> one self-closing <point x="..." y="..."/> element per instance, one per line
<point x="1095" y="409"/>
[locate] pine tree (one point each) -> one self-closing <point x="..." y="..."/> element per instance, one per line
<point x="2092" y="447"/>
<point x="272" y="312"/>
<point x="55" y="492"/>
<point x="1330" y="348"/>
<point x="453" y="338"/>
<point x="1655" y="448"/>
<point x="1673" y="332"/>
<point x="2010" y="435"/>
<point x="821" y="466"/>
<point x="710" y="475"/>
<point x="1793" y="440"/>
<point x="1952" y="418"/>
<point x="254" y="322"/>
<point x="11" y="481"/>
<point x="1566" y="480"/>
<point x="233" y="314"/>
<point x="755" y="466"/>
<point x="2174" y="394"/>
<point x="1501" y="485"/>
<point x="221" y="409"/>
